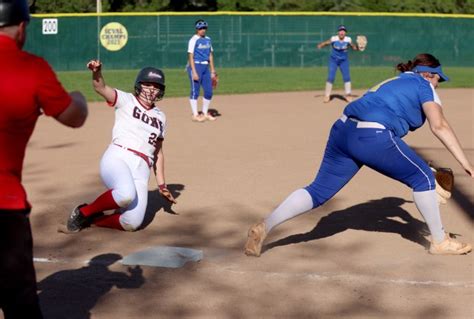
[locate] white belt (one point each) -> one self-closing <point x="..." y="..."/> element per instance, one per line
<point x="201" y="62"/>
<point x="362" y="124"/>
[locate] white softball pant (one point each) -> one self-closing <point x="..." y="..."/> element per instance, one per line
<point x="127" y="175"/>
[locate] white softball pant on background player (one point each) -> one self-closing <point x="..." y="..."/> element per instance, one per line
<point x="127" y="175"/>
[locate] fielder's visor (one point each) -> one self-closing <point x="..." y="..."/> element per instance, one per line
<point x="341" y="28"/>
<point x="201" y="25"/>
<point x="436" y="70"/>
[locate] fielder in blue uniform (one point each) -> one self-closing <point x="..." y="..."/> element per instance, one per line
<point x="201" y="71"/>
<point x="340" y="44"/>
<point x="370" y="132"/>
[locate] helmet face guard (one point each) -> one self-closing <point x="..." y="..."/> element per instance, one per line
<point x="13" y="12"/>
<point x="151" y="75"/>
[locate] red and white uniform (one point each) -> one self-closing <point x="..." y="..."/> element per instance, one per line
<point x="136" y="127"/>
<point x="125" y="166"/>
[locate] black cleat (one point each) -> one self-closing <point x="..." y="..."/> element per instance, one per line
<point x="76" y="221"/>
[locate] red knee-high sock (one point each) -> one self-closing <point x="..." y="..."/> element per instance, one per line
<point x="102" y="203"/>
<point x="109" y="221"/>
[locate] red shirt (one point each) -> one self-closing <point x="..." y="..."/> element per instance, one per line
<point x="28" y="87"/>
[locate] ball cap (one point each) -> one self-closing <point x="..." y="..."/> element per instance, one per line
<point x="341" y="28"/>
<point x="435" y="70"/>
<point x="12" y="12"/>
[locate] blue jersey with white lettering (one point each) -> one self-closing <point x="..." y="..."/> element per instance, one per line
<point x="340" y="47"/>
<point x="201" y="47"/>
<point x="396" y="103"/>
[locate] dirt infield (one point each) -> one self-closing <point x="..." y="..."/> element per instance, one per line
<point x="361" y="255"/>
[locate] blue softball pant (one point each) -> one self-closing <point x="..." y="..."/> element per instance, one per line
<point x="204" y="81"/>
<point x="342" y="64"/>
<point x="350" y="147"/>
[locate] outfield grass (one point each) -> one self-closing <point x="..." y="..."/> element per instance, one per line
<point x="255" y="80"/>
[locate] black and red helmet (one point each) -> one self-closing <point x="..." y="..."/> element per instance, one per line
<point x="150" y="75"/>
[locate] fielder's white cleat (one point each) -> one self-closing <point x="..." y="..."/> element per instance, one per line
<point x="256" y="236"/>
<point x="198" y="118"/>
<point x="326" y="99"/>
<point x="209" y="117"/>
<point x="450" y="246"/>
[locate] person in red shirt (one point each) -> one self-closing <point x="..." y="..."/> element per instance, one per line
<point x="28" y="88"/>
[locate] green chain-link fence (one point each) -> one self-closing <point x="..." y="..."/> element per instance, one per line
<point x="246" y="40"/>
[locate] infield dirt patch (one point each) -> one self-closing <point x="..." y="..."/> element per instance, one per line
<point x="363" y="254"/>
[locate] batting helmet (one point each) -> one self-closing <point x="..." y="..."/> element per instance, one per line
<point x="151" y="75"/>
<point x="12" y="12"/>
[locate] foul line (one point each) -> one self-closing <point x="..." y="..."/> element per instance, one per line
<point x="353" y="278"/>
<point x="305" y="275"/>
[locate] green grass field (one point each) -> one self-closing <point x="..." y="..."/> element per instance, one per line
<point x="256" y="80"/>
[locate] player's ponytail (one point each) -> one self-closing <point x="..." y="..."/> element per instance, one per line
<point x="403" y="67"/>
<point x="425" y="59"/>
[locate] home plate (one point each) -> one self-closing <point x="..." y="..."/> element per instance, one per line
<point x="163" y="256"/>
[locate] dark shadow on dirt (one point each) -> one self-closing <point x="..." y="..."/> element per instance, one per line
<point x="73" y="293"/>
<point x="214" y="112"/>
<point x="464" y="201"/>
<point x="338" y="96"/>
<point x="62" y="145"/>
<point x="157" y="202"/>
<point x="382" y="215"/>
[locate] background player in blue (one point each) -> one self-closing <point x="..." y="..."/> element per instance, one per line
<point x="340" y="44"/>
<point x="369" y="133"/>
<point x="201" y="71"/>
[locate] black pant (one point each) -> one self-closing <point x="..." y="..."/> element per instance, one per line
<point x="18" y="297"/>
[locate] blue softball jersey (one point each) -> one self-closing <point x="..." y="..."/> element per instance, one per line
<point x="201" y="47"/>
<point x="396" y="103"/>
<point x="340" y="47"/>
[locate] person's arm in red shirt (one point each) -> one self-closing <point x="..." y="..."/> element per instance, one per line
<point x="68" y="109"/>
<point x="76" y="113"/>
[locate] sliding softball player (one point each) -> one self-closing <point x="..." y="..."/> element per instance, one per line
<point x="136" y="147"/>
